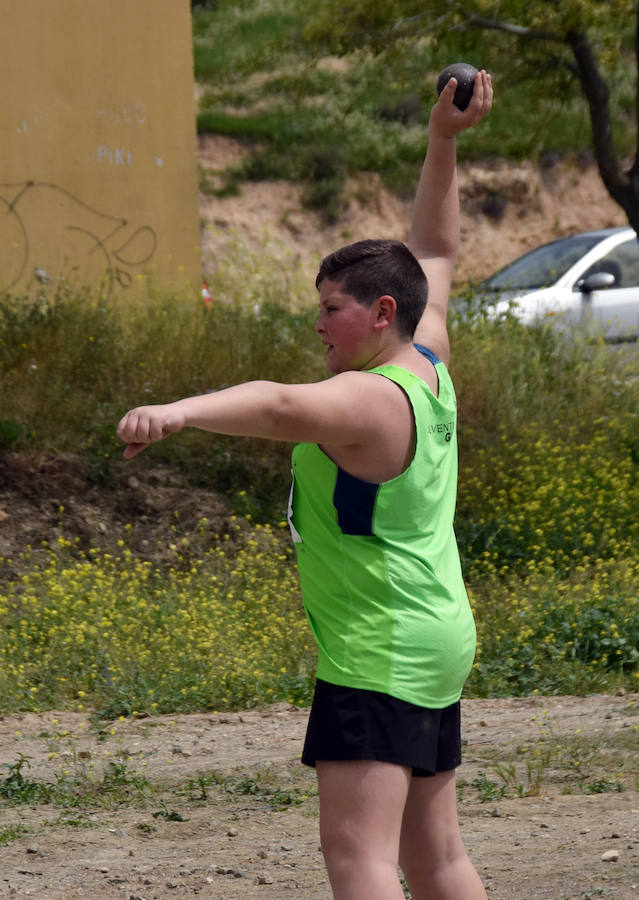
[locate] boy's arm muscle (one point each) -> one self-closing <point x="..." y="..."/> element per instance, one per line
<point x="347" y="409"/>
<point x="434" y="231"/>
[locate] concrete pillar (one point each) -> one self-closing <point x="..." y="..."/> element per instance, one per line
<point x="98" y="164"/>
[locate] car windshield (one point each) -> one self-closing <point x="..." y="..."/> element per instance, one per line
<point x="543" y="266"/>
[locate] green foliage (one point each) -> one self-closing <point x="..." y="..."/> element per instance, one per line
<point x="578" y="763"/>
<point x="272" y="81"/>
<point x="9" y="434"/>
<point x="565" y="403"/>
<point x="547" y="518"/>
<point x="487" y="789"/>
<point x="603" y="786"/>
<point x="169" y="815"/>
<point x="11" y="833"/>
<point x="18" y="789"/>
<point x="232" y="37"/>
<point x="259" y="785"/>
<point x="367" y="23"/>
<point x="222" y="631"/>
<point x="541" y="632"/>
<point x="71" y="365"/>
<point x="115" y="787"/>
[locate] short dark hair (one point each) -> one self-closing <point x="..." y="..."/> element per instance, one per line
<point x="369" y="269"/>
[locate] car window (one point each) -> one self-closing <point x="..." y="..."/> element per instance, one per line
<point x="543" y="266"/>
<point x="622" y="262"/>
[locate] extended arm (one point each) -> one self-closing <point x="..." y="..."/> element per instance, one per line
<point x="349" y="409"/>
<point x="434" y="232"/>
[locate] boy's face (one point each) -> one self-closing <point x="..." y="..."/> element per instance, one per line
<point x="345" y="327"/>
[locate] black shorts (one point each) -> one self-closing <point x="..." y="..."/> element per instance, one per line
<point x="350" y="723"/>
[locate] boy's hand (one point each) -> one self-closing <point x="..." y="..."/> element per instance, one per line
<point x="447" y="120"/>
<point x="148" y="424"/>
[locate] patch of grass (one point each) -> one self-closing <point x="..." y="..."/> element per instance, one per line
<point x="234" y="38"/>
<point x="17" y="789"/>
<point x="114" y="787"/>
<point x="602" y="786"/>
<point x="225" y="630"/>
<point x="69" y="820"/>
<point x="265" y="786"/>
<point x="98" y="361"/>
<point x="169" y="815"/>
<point x="201" y="785"/>
<point x="576" y="763"/>
<point x="10" y="833"/>
<point x="275" y="797"/>
<point x="487" y="789"/>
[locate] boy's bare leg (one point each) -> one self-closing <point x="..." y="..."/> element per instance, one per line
<point x="432" y="855"/>
<point x="361" y="809"/>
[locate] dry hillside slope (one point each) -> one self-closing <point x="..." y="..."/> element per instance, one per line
<point x="507" y="208"/>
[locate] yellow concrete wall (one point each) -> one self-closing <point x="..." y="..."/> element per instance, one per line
<point x="98" y="165"/>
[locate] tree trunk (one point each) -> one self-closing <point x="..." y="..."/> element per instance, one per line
<point x="623" y="187"/>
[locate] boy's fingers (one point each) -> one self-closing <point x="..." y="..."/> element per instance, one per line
<point x="133" y="450"/>
<point x="477" y="99"/>
<point x="448" y="91"/>
<point x="482" y="98"/>
<point x="451" y="85"/>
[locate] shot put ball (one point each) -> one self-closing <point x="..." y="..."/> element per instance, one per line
<point x="465" y="75"/>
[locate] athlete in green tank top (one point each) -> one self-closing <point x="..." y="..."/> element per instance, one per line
<point x="379" y="565"/>
<point x="375" y="476"/>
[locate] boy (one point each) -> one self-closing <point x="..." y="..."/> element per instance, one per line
<point x="371" y="513"/>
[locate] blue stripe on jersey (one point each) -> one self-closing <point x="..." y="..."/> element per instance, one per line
<point x="427" y="353"/>
<point x="354" y="501"/>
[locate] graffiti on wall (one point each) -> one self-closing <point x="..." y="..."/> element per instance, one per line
<point x="87" y="237"/>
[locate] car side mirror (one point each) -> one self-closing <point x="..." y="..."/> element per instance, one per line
<point x="598" y="281"/>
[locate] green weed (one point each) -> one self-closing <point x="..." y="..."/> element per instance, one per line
<point x="17" y="789"/>
<point x="11" y="833"/>
<point x="274" y="797"/>
<point x="263" y="785"/>
<point x="117" y="786"/>
<point x="603" y="786"/>
<point x="169" y="815"/>
<point x="576" y="763"/>
<point x="69" y="820"/>
<point x="487" y="789"/>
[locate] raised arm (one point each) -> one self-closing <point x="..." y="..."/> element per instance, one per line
<point x="434" y="232"/>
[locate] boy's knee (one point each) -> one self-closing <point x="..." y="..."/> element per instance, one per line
<point x="339" y="843"/>
<point x="430" y="857"/>
<point x="343" y="847"/>
<point x="423" y="872"/>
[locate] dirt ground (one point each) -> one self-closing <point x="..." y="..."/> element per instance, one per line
<point x="233" y="844"/>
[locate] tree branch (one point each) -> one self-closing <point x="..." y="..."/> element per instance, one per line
<point x="518" y="30"/>
<point x="408" y="20"/>
<point x="411" y="21"/>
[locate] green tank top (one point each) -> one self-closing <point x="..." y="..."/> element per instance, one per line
<point x="379" y="565"/>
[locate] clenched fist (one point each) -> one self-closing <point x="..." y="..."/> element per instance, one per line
<point x="148" y="424"/>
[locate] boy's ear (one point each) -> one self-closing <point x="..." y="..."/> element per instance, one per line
<point x="386" y="310"/>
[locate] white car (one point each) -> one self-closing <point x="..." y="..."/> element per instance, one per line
<point x="589" y="279"/>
